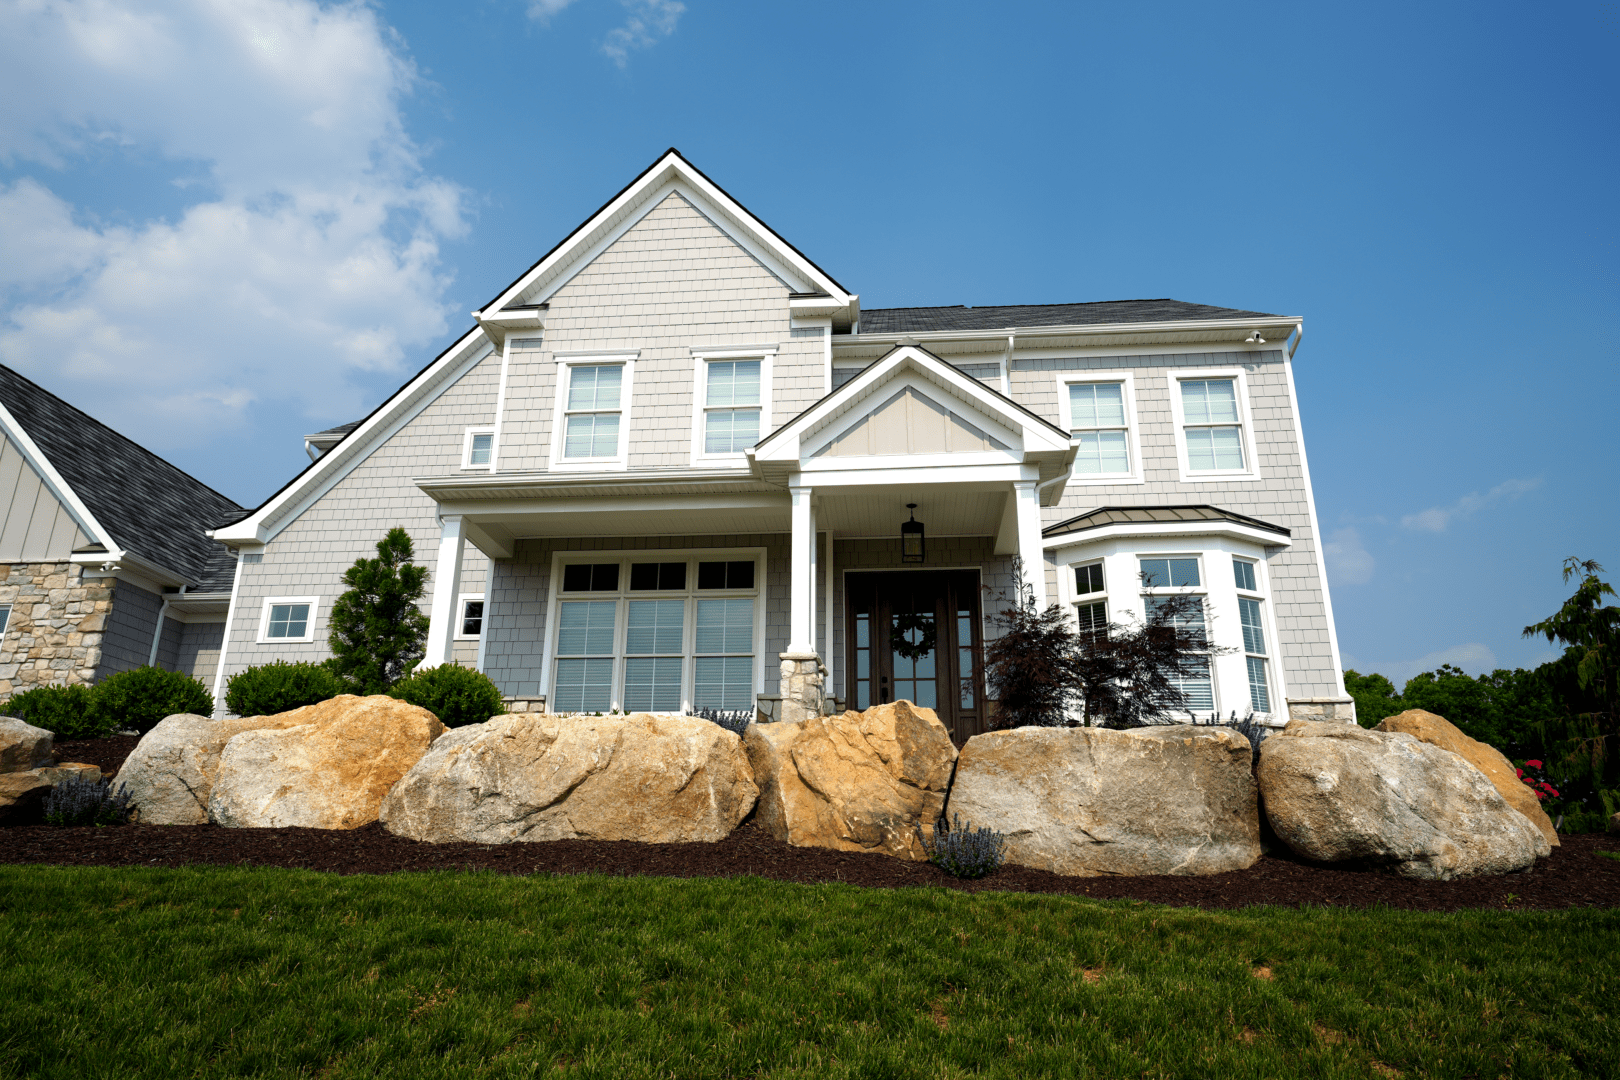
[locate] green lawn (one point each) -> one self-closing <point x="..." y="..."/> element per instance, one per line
<point x="224" y="972"/>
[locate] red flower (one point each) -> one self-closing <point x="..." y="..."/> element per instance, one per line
<point x="1533" y="764"/>
<point x="1520" y="772"/>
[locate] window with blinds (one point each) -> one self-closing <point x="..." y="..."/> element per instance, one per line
<point x="1097" y="420"/>
<point x="591" y="418"/>
<point x="1213" y="430"/>
<point x="663" y="637"/>
<point x="1254" y="646"/>
<point x="731" y="401"/>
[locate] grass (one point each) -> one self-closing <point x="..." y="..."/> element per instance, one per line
<point x="208" y="972"/>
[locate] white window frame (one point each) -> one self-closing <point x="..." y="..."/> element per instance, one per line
<point x="1202" y="591"/>
<point x="5" y="617"/>
<point x="467" y="448"/>
<point x="1268" y="630"/>
<point x="1239" y="377"/>
<point x="1077" y="599"/>
<point x="559" y="422"/>
<point x="314" y="603"/>
<point x="700" y="392"/>
<point x="1133" y="440"/>
<point x="461" y="616"/>
<point x="622" y="596"/>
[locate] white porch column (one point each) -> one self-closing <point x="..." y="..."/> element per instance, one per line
<point x="446" y="586"/>
<point x="802" y="609"/>
<point x="1027" y="499"/>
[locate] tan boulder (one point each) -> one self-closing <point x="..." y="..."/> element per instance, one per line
<point x="536" y="776"/>
<point x="1613" y="828"/>
<point x="22" y="795"/>
<point x="1335" y="792"/>
<point x="170" y="773"/>
<point x="23" y="746"/>
<point x="70" y="770"/>
<point x="1093" y="801"/>
<point x="1438" y="731"/>
<point x="860" y="781"/>
<point x="325" y="766"/>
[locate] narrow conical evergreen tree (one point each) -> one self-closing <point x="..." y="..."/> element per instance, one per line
<point x="377" y="631"/>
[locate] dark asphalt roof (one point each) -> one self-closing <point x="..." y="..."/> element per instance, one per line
<point x="904" y="320"/>
<point x="1146" y="515"/>
<point x="339" y="431"/>
<point x="152" y="509"/>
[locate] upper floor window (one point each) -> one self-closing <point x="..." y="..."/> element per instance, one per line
<point x="1212" y="425"/>
<point x="288" y="619"/>
<point x="478" y="448"/>
<point x="731" y="406"/>
<point x="593" y="402"/>
<point x="1101" y="416"/>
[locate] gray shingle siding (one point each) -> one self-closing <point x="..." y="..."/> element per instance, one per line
<point x="131" y="623"/>
<point x="198" y="651"/>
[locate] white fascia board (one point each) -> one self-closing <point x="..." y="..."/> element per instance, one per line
<point x="263" y="525"/>
<point x="1169" y="529"/>
<point x="784" y="444"/>
<point x="673" y="173"/>
<point x="1086" y="330"/>
<point x="59" y="487"/>
<point x="902" y="475"/>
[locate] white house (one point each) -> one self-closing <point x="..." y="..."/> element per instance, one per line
<point x="670" y="467"/>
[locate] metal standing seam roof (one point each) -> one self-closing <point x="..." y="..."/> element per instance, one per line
<point x="152" y="509"/>
<point x="1155" y="515"/>
<point x="1010" y="317"/>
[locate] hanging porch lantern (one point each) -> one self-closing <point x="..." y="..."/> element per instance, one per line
<point x="911" y="537"/>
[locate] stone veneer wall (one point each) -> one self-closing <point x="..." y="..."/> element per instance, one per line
<point x="56" y="626"/>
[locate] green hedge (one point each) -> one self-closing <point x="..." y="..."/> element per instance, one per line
<point x="456" y="695"/>
<point x="68" y="712"/>
<point x="142" y="697"/>
<point x="279" y="687"/>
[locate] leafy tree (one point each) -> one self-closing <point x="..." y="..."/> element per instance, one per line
<point x="1028" y="666"/>
<point x="1375" y="697"/>
<point x="378" y="633"/>
<point x="1591" y="630"/>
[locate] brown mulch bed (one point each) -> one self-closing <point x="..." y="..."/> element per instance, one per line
<point x="1574" y="876"/>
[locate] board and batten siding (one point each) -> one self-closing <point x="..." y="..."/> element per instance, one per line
<point x="36" y="526"/>
<point x="1278" y="495"/>
<point x="309" y="556"/>
<point x="673" y="282"/>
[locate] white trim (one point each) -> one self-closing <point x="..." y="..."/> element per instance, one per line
<point x="225" y="640"/>
<point x="1139" y="530"/>
<point x="59" y="487"/>
<point x="624" y="557"/>
<point x="461" y="618"/>
<point x="1133" y="430"/>
<point x="267" y="522"/>
<point x="565" y="365"/>
<point x="701" y="358"/>
<point x="994" y="424"/>
<point x="467" y="449"/>
<point x="500" y="406"/>
<point x="1316" y="535"/>
<point x="314" y="603"/>
<point x="1251" y="467"/>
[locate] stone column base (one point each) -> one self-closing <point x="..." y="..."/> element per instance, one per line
<point x="535" y="704"/>
<point x="803" y="687"/>
<point x="1342" y="710"/>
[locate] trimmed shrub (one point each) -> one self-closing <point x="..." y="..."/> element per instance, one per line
<point x="68" y="712"/>
<point x="280" y="687"/>
<point x="456" y="695"/>
<point x="963" y="851"/>
<point x="142" y="697"/>
<point x="86" y="802"/>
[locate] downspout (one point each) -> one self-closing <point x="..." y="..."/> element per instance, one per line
<point x="309" y="448"/>
<point x="157" y="634"/>
<point x="1299" y="335"/>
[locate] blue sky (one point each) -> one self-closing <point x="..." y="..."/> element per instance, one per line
<point x="223" y="225"/>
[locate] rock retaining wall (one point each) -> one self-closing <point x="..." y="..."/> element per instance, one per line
<point x="56" y="627"/>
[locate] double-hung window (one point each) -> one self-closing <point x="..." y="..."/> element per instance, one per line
<point x="1250" y="614"/>
<point x="655" y="636"/>
<point x="1100" y="410"/>
<point x="1212" y="425"/>
<point x="592" y="424"/>
<point x="1163" y="577"/>
<point x="1091" y="601"/>
<point x="731" y="405"/>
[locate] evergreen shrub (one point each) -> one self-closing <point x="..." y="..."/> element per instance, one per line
<point x="68" y="712"/>
<point x="143" y="696"/>
<point x="280" y="687"/>
<point x="456" y="695"/>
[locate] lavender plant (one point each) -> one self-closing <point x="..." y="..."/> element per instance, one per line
<point x="963" y="851"/>
<point x="87" y="802"/>
<point x="735" y="721"/>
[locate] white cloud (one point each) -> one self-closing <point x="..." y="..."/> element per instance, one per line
<point x="1473" y="657"/>
<point x="310" y="254"/>
<point x="541" y="11"/>
<point x="1348" y="560"/>
<point x="1439" y="518"/>
<point x="649" y="20"/>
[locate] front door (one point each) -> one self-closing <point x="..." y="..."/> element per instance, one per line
<point x="915" y="635"/>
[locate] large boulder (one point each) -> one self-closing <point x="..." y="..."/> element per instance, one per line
<point x="325" y="766"/>
<point x="24" y="746"/>
<point x="1335" y="792"/>
<point x="535" y="776"/>
<point x="1437" y="731"/>
<point x="22" y="796"/>
<point x="170" y="773"/>
<point x="860" y="781"/>
<point x="1093" y="801"/>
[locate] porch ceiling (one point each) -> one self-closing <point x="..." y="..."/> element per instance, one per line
<point x="945" y="509"/>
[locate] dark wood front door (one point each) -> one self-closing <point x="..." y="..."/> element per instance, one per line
<point x="914" y="635"/>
